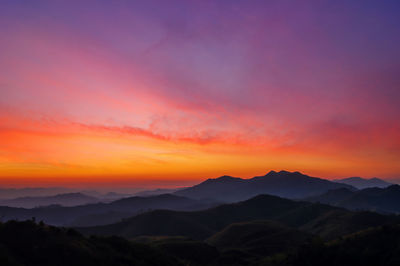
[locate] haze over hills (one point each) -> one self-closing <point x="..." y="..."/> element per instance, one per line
<point x="361" y="183"/>
<point x="102" y="213"/>
<point x="293" y="185"/>
<point x="383" y="200"/>
<point x="68" y="200"/>
<point x="97" y="192"/>
<point x="10" y="193"/>
<point x="283" y="183"/>
<point x="158" y="191"/>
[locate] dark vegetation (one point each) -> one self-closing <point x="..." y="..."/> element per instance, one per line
<point x="248" y="243"/>
<point x="371" y="247"/>
<point x="28" y="243"/>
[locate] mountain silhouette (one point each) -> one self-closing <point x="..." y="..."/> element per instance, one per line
<point x="361" y="183"/>
<point x="292" y="185"/>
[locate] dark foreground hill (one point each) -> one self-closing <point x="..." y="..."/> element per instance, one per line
<point x="27" y="243"/>
<point x="102" y="213"/>
<point x="323" y="220"/>
<point x="371" y="247"/>
<point x="68" y="200"/>
<point x="261" y="237"/>
<point x="250" y="243"/>
<point x="292" y="185"/>
<point x="265" y="230"/>
<point x="361" y="183"/>
<point x="383" y="200"/>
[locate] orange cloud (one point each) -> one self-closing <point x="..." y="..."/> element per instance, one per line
<point x="70" y="152"/>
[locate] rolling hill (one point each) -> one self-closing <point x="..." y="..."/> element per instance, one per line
<point x="323" y="220"/>
<point x="292" y="185"/>
<point x="260" y="237"/>
<point x="383" y="200"/>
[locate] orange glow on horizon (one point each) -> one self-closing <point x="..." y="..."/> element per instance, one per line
<point x="49" y="153"/>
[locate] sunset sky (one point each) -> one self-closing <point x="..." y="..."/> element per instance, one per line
<point x="159" y="93"/>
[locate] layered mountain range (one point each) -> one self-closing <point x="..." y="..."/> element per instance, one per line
<point x="279" y="219"/>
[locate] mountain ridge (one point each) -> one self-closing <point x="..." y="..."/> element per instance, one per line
<point x="361" y="183"/>
<point x="383" y="200"/>
<point x="293" y="185"/>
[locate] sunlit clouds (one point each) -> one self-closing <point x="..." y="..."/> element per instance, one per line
<point x="185" y="90"/>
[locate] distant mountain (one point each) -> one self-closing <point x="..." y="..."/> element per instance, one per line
<point x="9" y="193"/>
<point x="69" y="199"/>
<point x="383" y="200"/>
<point x="361" y="183"/>
<point x="332" y="197"/>
<point x="292" y="185"/>
<point x="326" y="221"/>
<point x="102" y="213"/>
<point x="154" y="192"/>
<point x="117" y="193"/>
<point x="115" y="196"/>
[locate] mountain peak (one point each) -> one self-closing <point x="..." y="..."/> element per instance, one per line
<point x="283" y="172"/>
<point x="224" y="178"/>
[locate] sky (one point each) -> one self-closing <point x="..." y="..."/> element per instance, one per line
<point x="172" y="92"/>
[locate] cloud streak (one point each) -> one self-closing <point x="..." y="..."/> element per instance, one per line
<point x="253" y="83"/>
